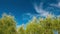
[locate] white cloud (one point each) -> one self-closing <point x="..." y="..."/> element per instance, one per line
<point x="56" y="5"/>
<point x="27" y="16"/>
<point x="39" y="9"/>
<point x="59" y="4"/>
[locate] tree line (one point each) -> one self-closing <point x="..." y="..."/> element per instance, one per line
<point x="45" y="25"/>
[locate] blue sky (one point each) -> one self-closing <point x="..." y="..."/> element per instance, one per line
<point x="24" y="10"/>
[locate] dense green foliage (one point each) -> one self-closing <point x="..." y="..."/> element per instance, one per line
<point x="45" y="25"/>
<point x="7" y="25"/>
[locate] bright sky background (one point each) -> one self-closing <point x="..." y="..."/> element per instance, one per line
<point x="24" y="10"/>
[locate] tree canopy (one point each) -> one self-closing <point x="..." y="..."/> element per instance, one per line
<point x="45" y="25"/>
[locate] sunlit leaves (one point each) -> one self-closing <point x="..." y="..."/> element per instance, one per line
<point x="21" y="30"/>
<point x="42" y="26"/>
<point x="7" y="25"/>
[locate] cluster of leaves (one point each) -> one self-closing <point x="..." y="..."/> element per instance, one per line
<point x="45" y="25"/>
<point x="7" y="25"/>
<point x="41" y="26"/>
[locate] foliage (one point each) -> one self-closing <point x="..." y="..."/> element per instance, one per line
<point x="21" y="30"/>
<point x="45" y="25"/>
<point x="7" y="25"/>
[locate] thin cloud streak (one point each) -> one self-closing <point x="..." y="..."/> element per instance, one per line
<point x="56" y="5"/>
<point x="39" y="9"/>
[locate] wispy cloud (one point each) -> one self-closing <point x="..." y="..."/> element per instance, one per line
<point x="27" y="16"/>
<point x="39" y="9"/>
<point x="56" y="5"/>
